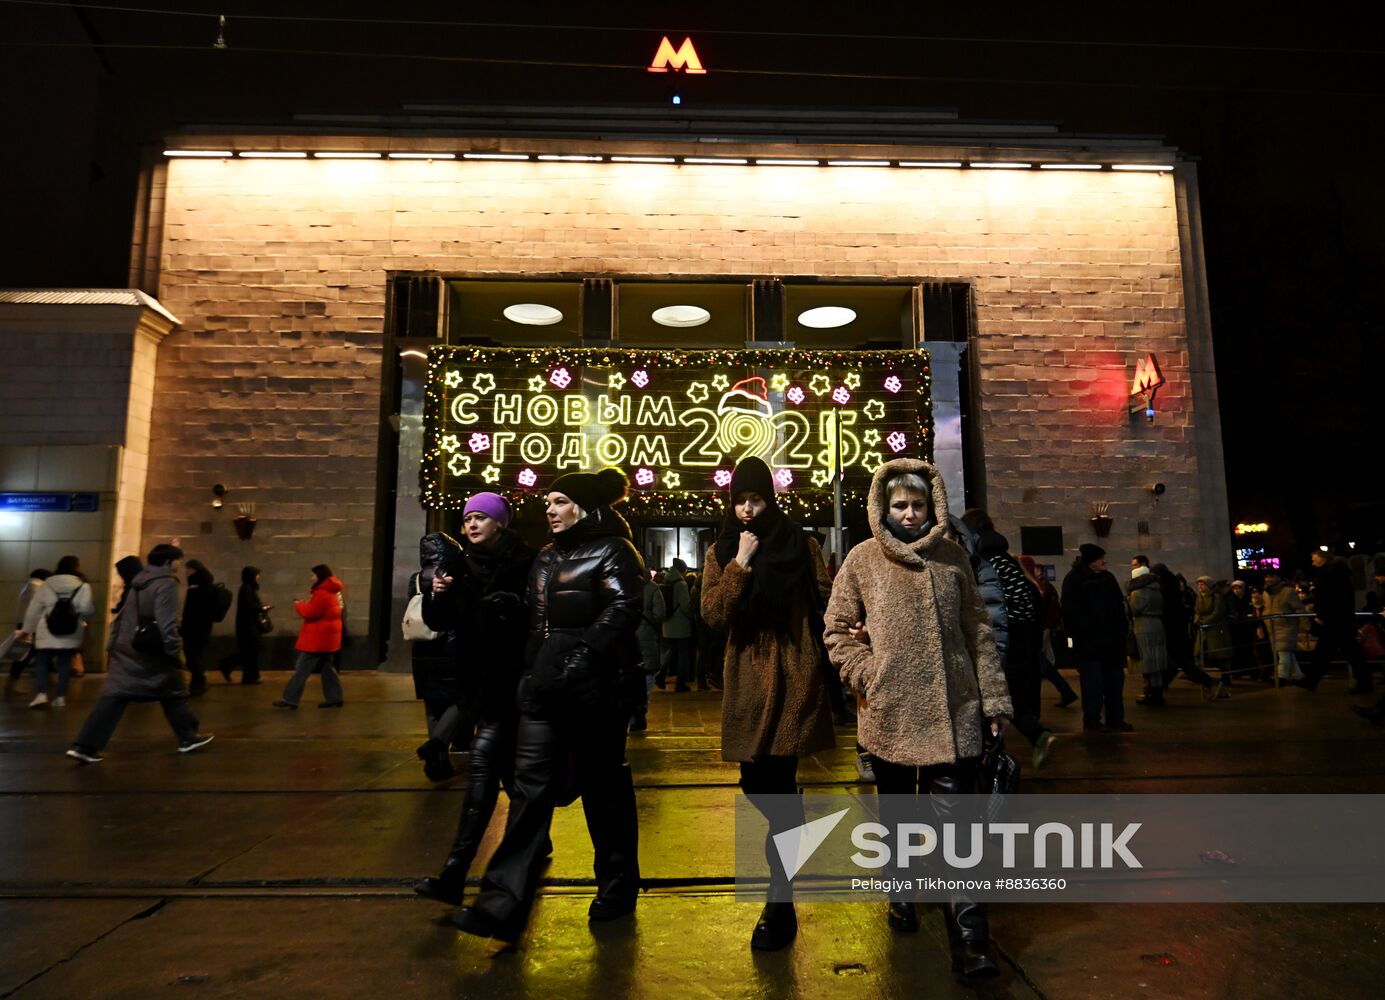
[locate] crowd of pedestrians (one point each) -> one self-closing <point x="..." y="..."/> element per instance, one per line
<point x="540" y="664"/>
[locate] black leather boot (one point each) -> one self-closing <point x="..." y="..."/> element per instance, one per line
<point x="904" y="917"/>
<point x="449" y="884"/>
<point x="776" y="928"/>
<point x="970" y="933"/>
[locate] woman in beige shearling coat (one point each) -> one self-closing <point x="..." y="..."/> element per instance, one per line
<point x="907" y="628"/>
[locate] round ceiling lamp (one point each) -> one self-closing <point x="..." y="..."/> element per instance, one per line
<point x="532" y="314"/>
<point x="680" y="316"/>
<point x="826" y="317"/>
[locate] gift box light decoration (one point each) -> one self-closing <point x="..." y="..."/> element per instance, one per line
<point x="677" y="421"/>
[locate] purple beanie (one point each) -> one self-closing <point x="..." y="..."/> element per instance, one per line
<point x="493" y="505"/>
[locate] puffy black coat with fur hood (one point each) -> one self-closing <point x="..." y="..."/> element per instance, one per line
<point x="931" y="674"/>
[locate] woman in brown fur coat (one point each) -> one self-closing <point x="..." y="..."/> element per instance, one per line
<point x="759" y="582"/>
<point x="908" y="629"/>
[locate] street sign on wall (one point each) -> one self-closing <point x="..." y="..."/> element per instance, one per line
<point x="49" y="503"/>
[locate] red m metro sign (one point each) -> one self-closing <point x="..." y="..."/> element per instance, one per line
<point x="684" y="58"/>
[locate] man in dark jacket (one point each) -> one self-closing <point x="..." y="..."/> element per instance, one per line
<point x="141" y="674"/>
<point x="1176" y="634"/>
<point x="1095" y="620"/>
<point x="1334" y="605"/>
<point x="198" y="614"/>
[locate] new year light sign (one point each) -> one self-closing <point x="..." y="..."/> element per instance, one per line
<point x="675" y="421"/>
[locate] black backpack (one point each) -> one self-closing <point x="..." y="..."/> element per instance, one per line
<point x="220" y="602"/>
<point x="63" y="618"/>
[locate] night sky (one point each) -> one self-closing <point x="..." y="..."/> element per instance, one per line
<point x="1283" y="115"/>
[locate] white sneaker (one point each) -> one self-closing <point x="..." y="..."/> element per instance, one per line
<point x="59" y="702"/>
<point x="39" y="701"/>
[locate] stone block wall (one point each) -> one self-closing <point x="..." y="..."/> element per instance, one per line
<point x="277" y="270"/>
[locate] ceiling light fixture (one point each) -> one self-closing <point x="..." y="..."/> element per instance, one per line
<point x="346" y="156"/>
<point x="423" y="156"/>
<point x="680" y="316"/>
<point x="197" y="152"/>
<point x="271" y="154"/>
<point x="858" y="163"/>
<point x="495" y="156"/>
<point x="569" y="158"/>
<point x="999" y="165"/>
<point x="930" y="163"/>
<point x="643" y="159"/>
<point x="1070" y="166"/>
<point x="826" y="317"/>
<point x="1149" y="167"/>
<point x="532" y="314"/>
<point x="787" y="163"/>
<point x="715" y="161"/>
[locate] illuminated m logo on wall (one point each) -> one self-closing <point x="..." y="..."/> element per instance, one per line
<point x="1148" y="377"/>
<point x="685" y="58"/>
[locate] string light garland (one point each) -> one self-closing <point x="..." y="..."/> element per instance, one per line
<point x="550" y="371"/>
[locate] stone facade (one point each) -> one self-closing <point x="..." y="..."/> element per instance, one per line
<point x="278" y="271"/>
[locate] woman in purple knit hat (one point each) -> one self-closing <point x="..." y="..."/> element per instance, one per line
<point x="476" y="596"/>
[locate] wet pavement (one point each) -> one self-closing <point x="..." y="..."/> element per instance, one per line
<point x="278" y="862"/>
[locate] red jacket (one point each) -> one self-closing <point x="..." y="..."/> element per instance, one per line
<point x="321" y="631"/>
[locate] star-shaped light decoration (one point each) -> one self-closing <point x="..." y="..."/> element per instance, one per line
<point x="640" y="377"/>
<point x="795" y="395"/>
<point x="779" y="381"/>
<point x="527" y="477"/>
<point x="871" y="436"/>
<point x="853" y="380"/>
<point x="561" y="377"/>
<point x="459" y="464"/>
<point x="537" y="383"/>
<point x="452" y="379"/>
<point x="821" y="477"/>
<point x="897" y="441"/>
<point x="820" y="384"/>
<point x="722" y="477"/>
<point x="672" y="480"/>
<point x="491" y="473"/>
<point x="840" y="396"/>
<point x="449" y="442"/>
<point x="872" y="460"/>
<point x="483" y="383"/>
<point x="893" y="384"/>
<point x="720" y="382"/>
<point x="615" y="381"/>
<point x="644" y="477"/>
<point x="479" y="441"/>
<point x="784" y="477"/>
<point x="698" y="392"/>
<point x="874" y="410"/>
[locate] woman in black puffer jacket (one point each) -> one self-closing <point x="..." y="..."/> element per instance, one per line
<point x="582" y="681"/>
<point x="477" y="599"/>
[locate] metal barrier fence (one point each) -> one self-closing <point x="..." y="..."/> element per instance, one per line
<point x="1255" y="654"/>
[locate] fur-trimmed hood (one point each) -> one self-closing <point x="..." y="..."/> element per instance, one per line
<point x="910" y="553"/>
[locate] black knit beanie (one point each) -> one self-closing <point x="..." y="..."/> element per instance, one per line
<point x="1090" y="553"/>
<point x="590" y="490"/>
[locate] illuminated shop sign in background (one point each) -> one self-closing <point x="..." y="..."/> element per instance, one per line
<point x="677" y="422"/>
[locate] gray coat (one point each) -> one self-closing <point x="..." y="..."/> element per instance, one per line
<point x="1146" y="602"/>
<point x="136" y="675"/>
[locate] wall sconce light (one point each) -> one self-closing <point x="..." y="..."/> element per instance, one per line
<point x="245" y="521"/>
<point x="1158" y="489"/>
<point x="1101" y="519"/>
<point x="218" y="496"/>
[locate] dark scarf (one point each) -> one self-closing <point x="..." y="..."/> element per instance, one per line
<point x="599" y="523"/>
<point x="484" y="562"/>
<point x="781" y="570"/>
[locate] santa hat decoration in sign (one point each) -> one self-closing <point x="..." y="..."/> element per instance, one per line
<point x="748" y="394"/>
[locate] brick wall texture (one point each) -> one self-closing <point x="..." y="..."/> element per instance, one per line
<point x="278" y="272"/>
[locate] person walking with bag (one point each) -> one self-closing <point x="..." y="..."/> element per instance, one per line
<point x="144" y="661"/>
<point x="252" y="625"/>
<point x="434" y="662"/>
<point x="582" y="681"/>
<point x="57" y="619"/>
<point x="758" y="586"/>
<point x="319" y="641"/>
<point x="21" y="646"/>
<point x="477" y="595"/>
<point x="908" y="629"/>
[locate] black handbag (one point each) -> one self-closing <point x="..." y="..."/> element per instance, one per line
<point x="998" y="775"/>
<point x="148" y="638"/>
<point x="265" y="623"/>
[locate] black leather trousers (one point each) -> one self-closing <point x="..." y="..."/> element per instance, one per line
<point x="966" y="920"/>
<point x="548" y="755"/>
<point x="489" y="765"/>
